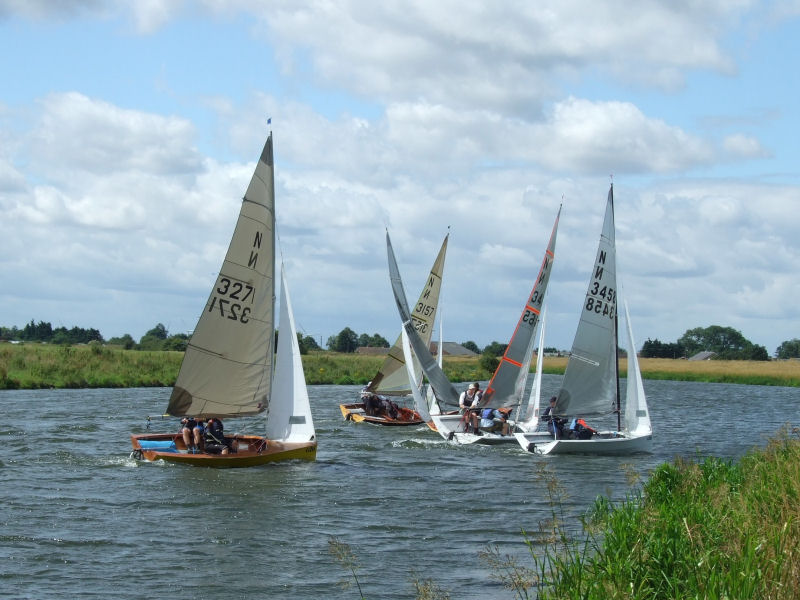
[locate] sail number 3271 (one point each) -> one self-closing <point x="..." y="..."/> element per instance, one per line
<point x="230" y="300"/>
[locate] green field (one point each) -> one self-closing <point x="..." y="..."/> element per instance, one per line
<point x="32" y="366"/>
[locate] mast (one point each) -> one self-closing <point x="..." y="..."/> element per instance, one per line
<point x="616" y="323"/>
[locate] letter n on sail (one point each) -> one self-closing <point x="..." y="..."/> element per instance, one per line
<point x="254" y="253"/>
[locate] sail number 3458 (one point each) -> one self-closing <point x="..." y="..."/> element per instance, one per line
<point x="602" y="301"/>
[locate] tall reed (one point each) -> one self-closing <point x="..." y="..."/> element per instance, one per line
<point x="707" y="529"/>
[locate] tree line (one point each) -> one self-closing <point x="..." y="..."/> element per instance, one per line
<point x="727" y="343"/>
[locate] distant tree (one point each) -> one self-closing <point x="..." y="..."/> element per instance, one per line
<point x="470" y="345"/>
<point x="495" y="349"/>
<point x="376" y="340"/>
<point x="154" y="339"/>
<point x="754" y="352"/>
<point x="159" y="331"/>
<point x="726" y="342"/>
<point x="489" y="361"/>
<point x="39" y="332"/>
<point x="126" y="341"/>
<point x="345" y="341"/>
<point x="658" y="349"/>
<point x="788" y="349"/>
<point x="10" y="333"/>
<point x="177" y="342"/>
<point x="551" y="350"/>
<point x="309" y="343"/>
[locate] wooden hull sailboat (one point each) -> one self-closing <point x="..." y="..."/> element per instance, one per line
<point x="393" y="381"/>
<point x="355" y="412"/>
<point x="591" y="385"/>
<point x="505" y="390"/>
<point x="251" y="451"/>
<point x="229" y="368"/>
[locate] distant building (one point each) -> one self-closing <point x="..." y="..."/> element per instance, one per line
<point x="705" y="355"/>
<point x="371" y="351"/>
<point x="452" y="349"/>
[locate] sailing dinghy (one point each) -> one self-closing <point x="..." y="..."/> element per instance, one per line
<point x="229" y="368"/>
<point x="591" y="386"/>
<point x="506" y="388"/>
<point x="393" y="379"/>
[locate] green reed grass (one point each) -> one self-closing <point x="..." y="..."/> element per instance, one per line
<point x="34" y="365"/>
<point x="707" y="529"/>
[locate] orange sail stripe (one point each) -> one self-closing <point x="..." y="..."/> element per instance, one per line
<point x="513" y="362"/>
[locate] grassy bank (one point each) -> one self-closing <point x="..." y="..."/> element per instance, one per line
<point x="30" y="366"/>
<point x="713" y="529"/>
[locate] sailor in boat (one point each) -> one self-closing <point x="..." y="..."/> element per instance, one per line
<point x="192" y="431"/>
<point x="215" y="442"/>
<point x="470" y="398"/>
<point x="554" y="423"/>
<point x="494" y="420"/>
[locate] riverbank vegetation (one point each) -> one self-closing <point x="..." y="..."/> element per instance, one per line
<point x="707" y="529"/>
<point x="33" y="365"/>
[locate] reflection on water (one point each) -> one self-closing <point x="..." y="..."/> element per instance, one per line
<point x="80" y="518"/>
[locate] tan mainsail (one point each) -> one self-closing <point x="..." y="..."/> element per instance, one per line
<point x="227" y="368"/>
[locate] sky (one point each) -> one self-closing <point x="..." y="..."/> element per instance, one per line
<point x="129" y="132"/>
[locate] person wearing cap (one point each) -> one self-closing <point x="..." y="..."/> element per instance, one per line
<point x="470" y="398"/>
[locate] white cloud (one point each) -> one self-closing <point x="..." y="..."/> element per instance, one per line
<point x="743" y="146"/>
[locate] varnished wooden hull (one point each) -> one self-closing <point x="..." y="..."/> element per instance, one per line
<point x="355" y="412"/>
<point x="252" y="451"/>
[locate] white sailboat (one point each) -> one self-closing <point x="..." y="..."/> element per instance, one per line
<point x="229" y="369"/>
<point x="393" y="379"/>
<point x="591" y="387"/>
<point x="506" y="388"/>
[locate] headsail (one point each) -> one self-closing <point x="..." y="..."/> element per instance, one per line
<point x="443" y="389"/>
<point x="637" y="417"/>
<point x="508" y="382"/>
<point x="392" y="378"/>
<point x="227" y="365"/>
<point x="529" y="418"/>
<point x="289" y="421"/>
<point x="590" y="381"/>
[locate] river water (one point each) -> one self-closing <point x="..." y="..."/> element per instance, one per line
<point x="80" y="519"/>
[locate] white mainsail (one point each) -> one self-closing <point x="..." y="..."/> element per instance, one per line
<point x="392" y="377"/>
<point x="590" y="380"/>
<point x="226" y="369"/>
